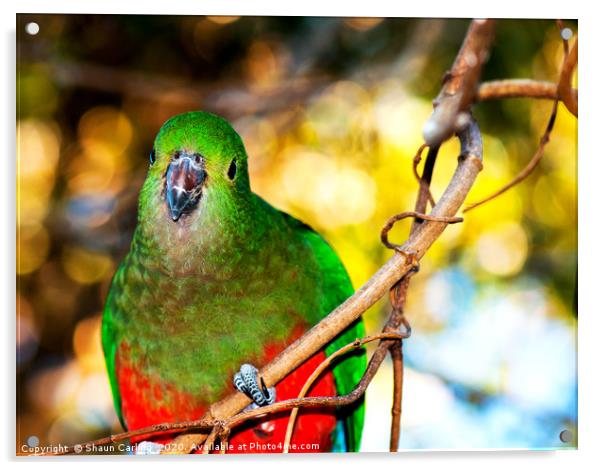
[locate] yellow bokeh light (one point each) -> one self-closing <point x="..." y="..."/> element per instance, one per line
<point x="94" y="396"/>
<point x="105" y="134"/>
<point x="265" y="64"/>
<point x="91" y="175"/>
<point x="38" y="144"/>
<point x="548" y="202"/>
<point x="86" y="267"/>
<point x="340" y="111"/>
<point x="335" y="193"/>
<point x="32" y="248"/>
<point x="106" y="127"/>
<point x="260" y="138"/>
<point x="54" y="388"/>
<point x="86" y="344"/>
<point x="503" y="249"/>
<point x="400" y="116"/>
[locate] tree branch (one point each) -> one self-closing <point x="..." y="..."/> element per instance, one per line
<point x="450" y="115"/>
<point x="459" y="85"/>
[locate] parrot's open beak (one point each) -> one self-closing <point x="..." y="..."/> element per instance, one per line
<point x="184" y="183"/>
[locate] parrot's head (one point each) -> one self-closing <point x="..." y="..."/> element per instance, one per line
<point x="198" y="165"/>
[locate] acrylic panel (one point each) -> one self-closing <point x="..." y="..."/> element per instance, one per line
<point x="195" y="193"/>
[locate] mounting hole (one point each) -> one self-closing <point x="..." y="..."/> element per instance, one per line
<point x="566" y="33"/>
<point x="32" y="28"/>
<point x="566" y="436"/>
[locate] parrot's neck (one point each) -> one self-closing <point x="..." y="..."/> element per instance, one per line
<point x="211" y="241"/>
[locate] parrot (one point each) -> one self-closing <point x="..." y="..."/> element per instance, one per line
<point x="216" y="283"/>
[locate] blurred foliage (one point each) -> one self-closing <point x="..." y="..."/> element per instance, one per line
<point x="330" y="110"/>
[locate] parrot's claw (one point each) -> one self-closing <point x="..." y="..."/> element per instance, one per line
<point x="247" y="381"/>
<point x="148" y="448"/>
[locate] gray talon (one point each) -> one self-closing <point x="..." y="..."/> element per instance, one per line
<point x="247" y="381"/>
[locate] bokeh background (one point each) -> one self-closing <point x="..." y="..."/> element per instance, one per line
<point x="330" y="110"/>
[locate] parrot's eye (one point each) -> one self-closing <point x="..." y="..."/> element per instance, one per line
<point x="232" y="169"/>
<point x="152" y="156"/>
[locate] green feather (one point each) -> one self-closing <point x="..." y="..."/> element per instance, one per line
<point x="109" y="346"/>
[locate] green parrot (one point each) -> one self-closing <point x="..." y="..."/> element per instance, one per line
<point x="216" y="282"/>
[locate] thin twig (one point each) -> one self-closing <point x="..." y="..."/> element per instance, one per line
<point x="398" y="297"/>
<point x="327" y="363"/>
<point x="527" y="170"/>
<point x="564" y="93"/>
<point x="397" y="358"/>
<point x="224" y="446"/>
<point x="421" y="181"/>
<point x="384" y="234"/>
<point x="424" y="192"/>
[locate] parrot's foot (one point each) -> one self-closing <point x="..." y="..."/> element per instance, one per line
<point x="148" y="448"/>
<point x="247" y="381"/>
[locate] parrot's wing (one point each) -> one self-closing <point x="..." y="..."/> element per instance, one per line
<point x="336" y="288"/>
<point x="109" y="346"/>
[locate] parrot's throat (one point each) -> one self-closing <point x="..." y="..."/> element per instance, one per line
<point x="205" y="242"/>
